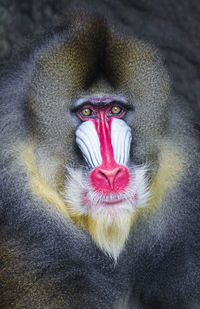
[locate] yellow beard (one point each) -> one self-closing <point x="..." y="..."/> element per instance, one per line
<point x="110" y="234"/>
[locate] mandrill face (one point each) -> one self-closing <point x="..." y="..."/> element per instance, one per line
<point x="109" y="190"/>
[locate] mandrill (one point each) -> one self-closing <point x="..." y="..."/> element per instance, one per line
<point x="100" y="176"/>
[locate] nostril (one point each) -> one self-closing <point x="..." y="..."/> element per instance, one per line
<point x="102" y="175"/>
<point x="118" y="172"/>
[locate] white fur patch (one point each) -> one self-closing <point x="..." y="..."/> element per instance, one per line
<point x="121" y="140"/>
<point x="134" y="197"/>
<point x="88" y="142"/>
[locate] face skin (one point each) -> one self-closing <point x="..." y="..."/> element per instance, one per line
<point x="112" y="189"/>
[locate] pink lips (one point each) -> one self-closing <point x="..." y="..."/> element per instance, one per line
<point x="106" y="202"/>
<point x="112" y="202"/>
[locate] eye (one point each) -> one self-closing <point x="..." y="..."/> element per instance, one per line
<point x="86" y="112"/>
<point x="116" y="110"/>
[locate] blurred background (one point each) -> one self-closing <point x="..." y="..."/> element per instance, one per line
<point x="172" y="26"/>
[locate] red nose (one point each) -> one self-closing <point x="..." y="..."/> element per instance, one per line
<point x="110" y="180"/>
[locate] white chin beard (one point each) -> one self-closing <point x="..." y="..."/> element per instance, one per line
<point x="81" y="197"/>
<point x="109" y="216"/>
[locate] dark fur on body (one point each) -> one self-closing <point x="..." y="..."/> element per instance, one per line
<point x="46" y="260"/>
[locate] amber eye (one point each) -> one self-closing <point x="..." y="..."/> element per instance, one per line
<point x="86" y="112"/>
<point x="116" y="110"/>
